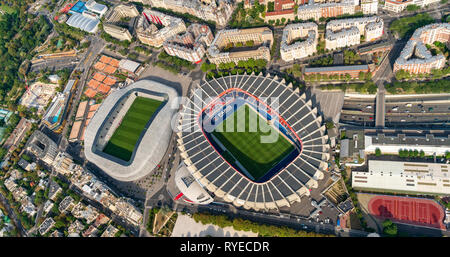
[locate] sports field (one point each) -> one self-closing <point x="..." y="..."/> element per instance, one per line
<point x="256" y="157"/>
<point x="122" y="142"/>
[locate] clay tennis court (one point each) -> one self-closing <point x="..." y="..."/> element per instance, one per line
<point x="416" y="211"/>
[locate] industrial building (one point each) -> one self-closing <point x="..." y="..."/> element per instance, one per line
<point x="352" y="70"/>
<point x="392" y="144"/>
<point x="395" y="176"/>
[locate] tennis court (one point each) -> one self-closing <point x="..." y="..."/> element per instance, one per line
<point x="417" y="211"/>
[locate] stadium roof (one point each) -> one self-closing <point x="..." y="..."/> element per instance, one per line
<point x="219" y="177"/>
<point x="129" y="65"/>
<point x="190" y="187"/>
<point x="83" y="22"/>
<point x="152" y="144"/>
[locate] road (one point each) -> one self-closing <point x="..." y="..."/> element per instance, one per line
<point x="380" y="106"/>
<point x="22" y="231"/>
<point x="96" y="47"/>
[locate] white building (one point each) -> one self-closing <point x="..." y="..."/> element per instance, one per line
<point x="325" y="10"/>
<point x="190" y="187"/>
<point x="87" y="21"/>
<point x="148" y="33"/>
<point x="415" y="57"/>
<point x="97" y="8"/>
<point x="348" y="32"/>
<point x="291" y="48"/>
<point x="192" y="45"/>
<point x="399" y="5"/>
<point x="392" y="144"/>
<point x="369" y="6"/>
<point x="414" y="177"/>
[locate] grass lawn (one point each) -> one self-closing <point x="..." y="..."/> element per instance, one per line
<point x="407" y="25"/>
<point x="122" y="142"/>
<point x="257" y="157"/>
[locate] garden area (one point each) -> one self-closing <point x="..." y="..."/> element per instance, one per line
<point x="405" y="27"/>
<point x="247" y="18"/>
<point x="172" y="63"/>
<point x="425" y="87"/>
<point x="231" y="68"/>
<point x="161" y="221"/>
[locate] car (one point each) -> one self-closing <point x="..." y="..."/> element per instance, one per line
<point x="402" y="120"/>
<point x="369" y="106"/>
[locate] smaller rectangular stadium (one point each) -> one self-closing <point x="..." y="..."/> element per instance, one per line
<point x="123" y="141"/>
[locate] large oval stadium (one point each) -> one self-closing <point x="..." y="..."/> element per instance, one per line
<point x="253" y="141"/>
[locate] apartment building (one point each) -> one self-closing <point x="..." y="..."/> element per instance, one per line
<point x="326" y="10"/>
<point x="369" y="6"/>
<point x="117" y="32"/>
<point x="347" y="32"/>
<point x="400" y="5"/>
<point x="218" y="11"/>
<point x="192" y="45"/>
<point x="415" y="57"/>
<point x="147" y="27"/>
<point x="299" y="40"/>
<point x="261" y="38"/>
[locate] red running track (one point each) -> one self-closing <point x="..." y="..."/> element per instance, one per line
<point x="415" y="211"/>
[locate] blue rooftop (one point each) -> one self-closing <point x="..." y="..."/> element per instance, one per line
<point x="79" y="7"/>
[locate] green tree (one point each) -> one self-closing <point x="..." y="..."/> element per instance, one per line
<point x="389" y="228"/>
<point x="377" y="152"/>
<point x="422" y="154"/>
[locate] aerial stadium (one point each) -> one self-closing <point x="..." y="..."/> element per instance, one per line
<point x="130" y="132"/>
<point x="253" y="141"/>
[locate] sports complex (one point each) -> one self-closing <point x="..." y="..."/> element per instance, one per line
<point x="253" y="141"/>
<point x="417" y="211"/>
<point x="130" y="132"/>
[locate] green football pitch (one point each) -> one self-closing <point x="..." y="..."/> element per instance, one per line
<point x="122" y="142"/>
<point x="255" y="156"/>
